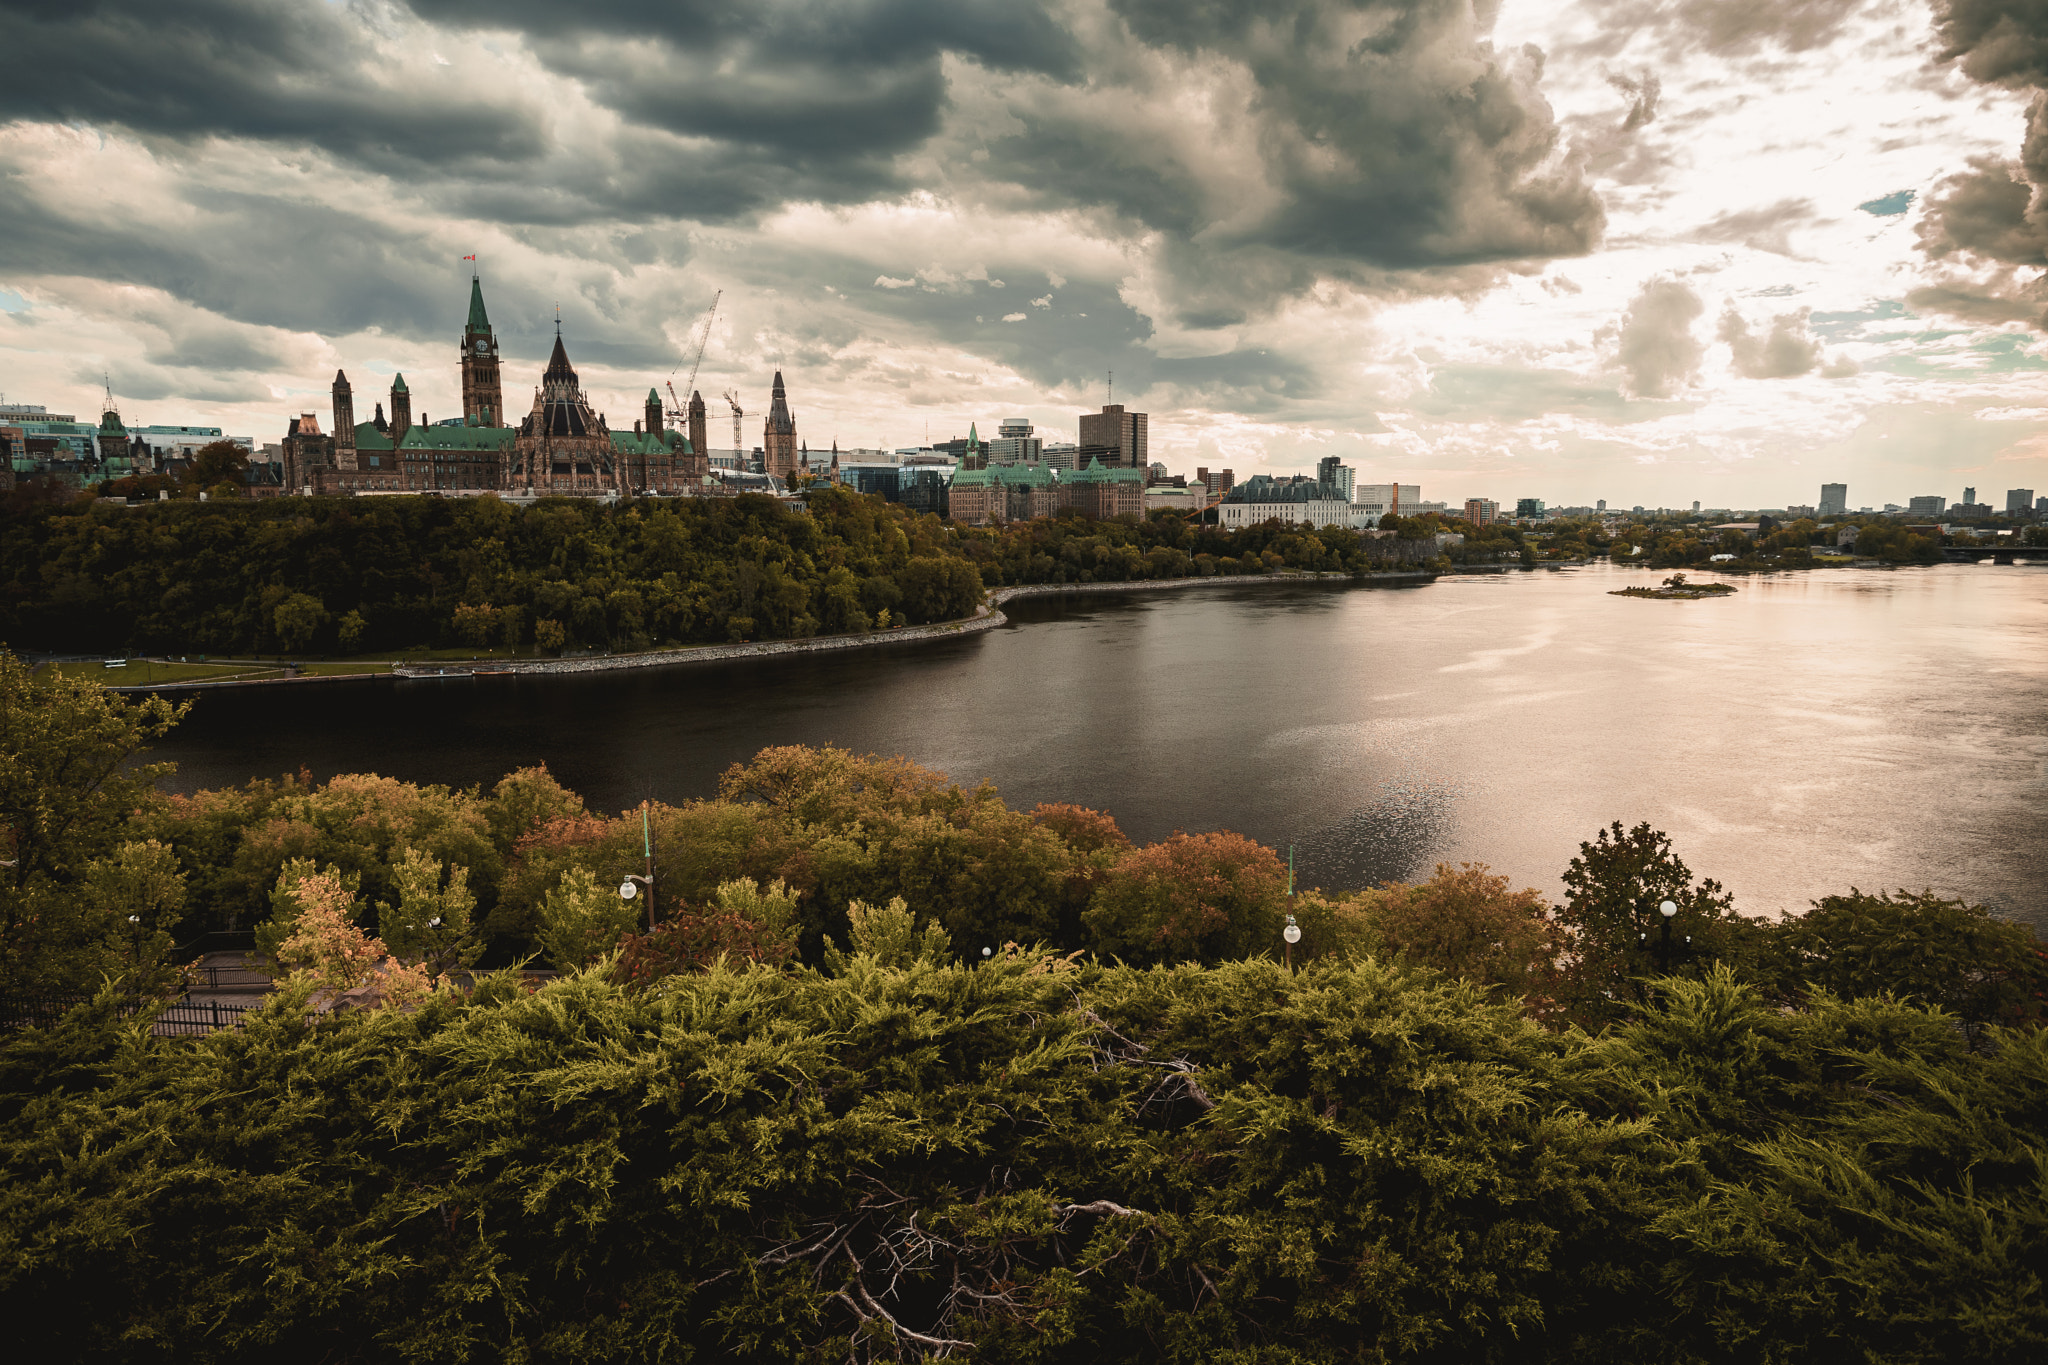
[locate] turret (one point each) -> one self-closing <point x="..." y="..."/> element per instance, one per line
<point x="401" y="408"/>
<point x="654" y="422"/>
<point x="344" y="415"/>
<point x="699" y="431"/>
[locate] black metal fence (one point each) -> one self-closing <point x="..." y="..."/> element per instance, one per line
<point x="180" y="1018"/>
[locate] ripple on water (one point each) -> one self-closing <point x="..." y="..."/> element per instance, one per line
<point x="1393" y="838"/>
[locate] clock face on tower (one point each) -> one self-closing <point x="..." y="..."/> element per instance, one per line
<point x="482" y="346"/>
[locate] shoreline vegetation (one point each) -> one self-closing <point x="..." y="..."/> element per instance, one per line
<point x="892" y="1070"/>
<point x="1676" y="589"/>
<point x="989" y="616"/>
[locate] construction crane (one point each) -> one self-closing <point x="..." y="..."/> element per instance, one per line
<point x="678" y="412"/>
<point x="737" y="414"/>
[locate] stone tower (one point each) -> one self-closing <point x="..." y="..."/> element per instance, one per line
<point x="344" y="423"/>
<point x="778" y="436"/>
<point x="483" y="402"/>
<point x="699" y="433"/>
<point x="401" y="408"/>
<point x="655" y="425"/>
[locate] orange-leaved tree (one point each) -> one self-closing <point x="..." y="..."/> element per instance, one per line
<point x="1191" y="897"/>
<point x="326" y="948"/>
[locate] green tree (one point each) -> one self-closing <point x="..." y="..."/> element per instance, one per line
<point x="218" y="462"/>
<point x="1613" y="890"/>
<point x="431" y="924"/>
<point x="69" y="785"/>
<point x="939" y="589"/>
<point x="581" y="920"/>
<point x="353" y="627"/>
<point x="1942" y="953"/>
<point x="139" y="892"/>
<point x="297" y="621"/>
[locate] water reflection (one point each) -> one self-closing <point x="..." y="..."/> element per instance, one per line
<point x="1874" y="728"/>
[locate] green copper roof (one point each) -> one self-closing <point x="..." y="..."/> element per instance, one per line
<point x="369" y="438"/>
<point x="1095" y="473"/>
<point x="455" y="438"/>
<point x="479" y="321"/>
<point x="653" y="397"/>
<point x="110" y="421"/>
<point x="650" y="442"/>
<point x="972" y="439"/>
<point x="398" y="384"/>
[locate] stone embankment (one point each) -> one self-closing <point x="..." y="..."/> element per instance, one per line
<point x="987" y="617"/>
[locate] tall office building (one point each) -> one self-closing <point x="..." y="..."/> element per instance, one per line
<point x="1115" y="437"/>
<point x="1834" y="500"/>
<point x="1529" y="507"/>
<point x="1481" y="511"/>
<point x="1217" y="481"/>
<point x="1330" y="470"/>
<point x="1970" y="496"/>
<point x="1379" y="499"/>
<point x="1928" y="506"/>
<point x="2019" y="501"/>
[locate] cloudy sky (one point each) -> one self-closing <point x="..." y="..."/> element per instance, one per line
<point x="1643" y="250"/>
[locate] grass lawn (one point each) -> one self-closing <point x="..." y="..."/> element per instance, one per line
<point x="141" y="672"/>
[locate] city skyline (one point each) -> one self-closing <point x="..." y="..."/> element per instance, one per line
<point x="1650" y="256"/>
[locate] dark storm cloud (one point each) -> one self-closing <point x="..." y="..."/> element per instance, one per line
<point x="1996" y="211"/>
<point x="1398" y="137"/>
<point x="811" y="84"/>
<point x="2002" y="42"/>
<point x="1983" y="212"/>
<point x="241" y="68"/>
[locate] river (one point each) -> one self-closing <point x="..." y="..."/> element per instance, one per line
<point x="1812" y="732"/>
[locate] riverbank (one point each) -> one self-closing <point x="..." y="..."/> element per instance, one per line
<point x="988" y="617"/>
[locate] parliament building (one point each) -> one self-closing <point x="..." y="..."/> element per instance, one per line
<point x="560" y="448"/>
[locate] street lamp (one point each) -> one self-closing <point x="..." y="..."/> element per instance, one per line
<point x="630" y="887"/>
<point x="1667" y="910"/>
<point x="1292" y="933"/>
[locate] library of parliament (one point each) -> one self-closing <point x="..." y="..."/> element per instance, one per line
<point x="560" y="448"/>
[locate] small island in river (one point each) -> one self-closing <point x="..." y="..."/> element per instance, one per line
<point x="1677" y="589"/>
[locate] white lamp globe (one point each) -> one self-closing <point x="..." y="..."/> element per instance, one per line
<point x="1668" y="909"/>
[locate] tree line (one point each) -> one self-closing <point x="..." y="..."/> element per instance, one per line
<point x="339" y="576"/>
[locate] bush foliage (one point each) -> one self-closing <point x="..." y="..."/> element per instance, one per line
<point x="898" y="1072"/>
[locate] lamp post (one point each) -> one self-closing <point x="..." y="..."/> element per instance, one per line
<point x="634" y="881"/>
<point x="1668" y="909"/>
<point x="1292" y="934"/>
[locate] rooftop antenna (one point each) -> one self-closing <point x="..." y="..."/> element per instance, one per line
<point x="558" y="319"/>
<point x="1111" y="397"/>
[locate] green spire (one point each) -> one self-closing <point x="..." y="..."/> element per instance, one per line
<point x="398" y="384"/>
<point x="972" y="439"/>
<point x="479" y="321"/>
<point x="653" y="397"/>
